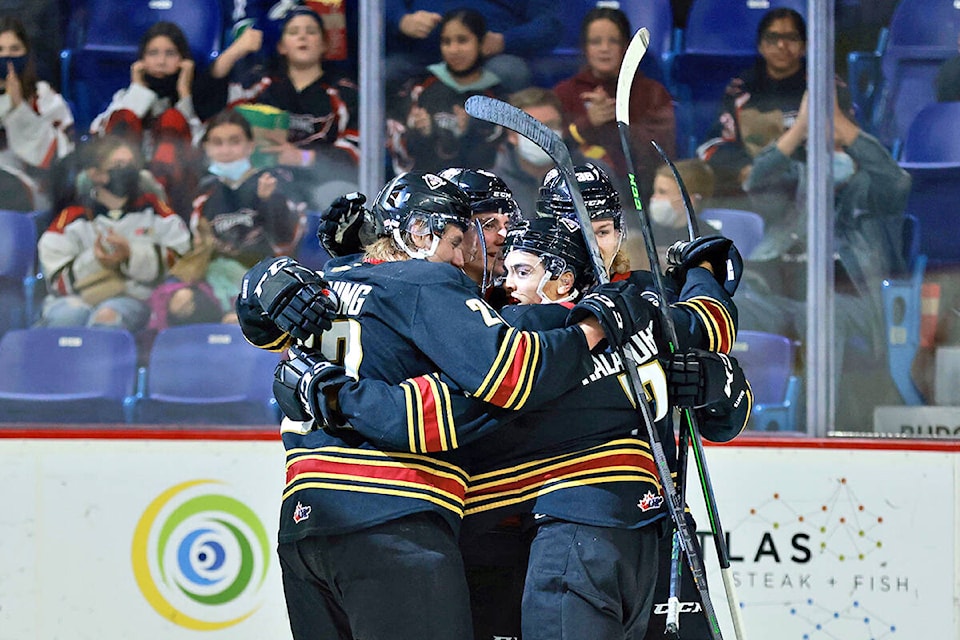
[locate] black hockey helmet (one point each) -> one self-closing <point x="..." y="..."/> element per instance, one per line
<point x="599" y="195"/>
<point x="418" y="195"/>
<point x="487" y="191"/>
<point x="558" y="242"/>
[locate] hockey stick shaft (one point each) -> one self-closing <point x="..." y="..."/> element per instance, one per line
<point x="508" y="116"/>
<point x="628" y="69"/>
<point x="720" y="541"/>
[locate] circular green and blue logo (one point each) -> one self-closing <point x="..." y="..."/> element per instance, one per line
<point x="199" y="557"/>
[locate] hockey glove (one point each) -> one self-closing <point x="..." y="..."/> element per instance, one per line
<point x="306" y="386"/>
<point x="698" y="379"/>
<point x="618" y="306"/>
<point x="295" y="298"/>
<point x="720" y="252"/>
<point x="340" y="223"/>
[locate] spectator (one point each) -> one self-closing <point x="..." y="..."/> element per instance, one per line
<point x="157" y="112"/>
<point x="36" y="124"/>
<point x="432" y="131"/>
<point x="948" y="79"/>
<point x="668" y="215"/>
<point x="242" y="211"/>
<point x="870" y="196"/>
<point x="102" y="257"/>
<point x="520" y="162"/>
<point x="322" y="142"/>
<point x="518" y="30"/>
<point x="589" y="100"/>
<point x="761" y="104"/>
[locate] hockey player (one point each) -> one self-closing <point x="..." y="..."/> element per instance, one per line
<point x="368" y="536"/>
<point x="584" y="481"/>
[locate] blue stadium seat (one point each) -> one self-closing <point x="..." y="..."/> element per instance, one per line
<point x="931" y="154"/>
<point x="891" y="84"/>
<point x="66" y="374"/>
<point x="109" y="35"/>
<point x="717" y="44"/>
<point x="767" y="360"/>
<point x="745" y="228"/>
<point x="206" y="374"/>
<point x="902" y="307"/>
<point x="18" y="269"/>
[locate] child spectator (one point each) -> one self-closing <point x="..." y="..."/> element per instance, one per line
<point x="103" y="257"/>
<point x="157" y="111"/>
<point x="589" y="99"/>
<point x="433" y="131"/>
<point x="35" y="124"/>
<point x="322" y="142"/>
<point x="240" y="216"/>
<point x="668" y="215"/>
<point x="517" y="30"/>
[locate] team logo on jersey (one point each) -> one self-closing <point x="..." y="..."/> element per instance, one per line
<point x="201" y="557"/>
<point x="301" y="513"/>
<point x="650" y="501"/>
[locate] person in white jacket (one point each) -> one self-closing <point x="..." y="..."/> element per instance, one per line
<point x="35" y="124"/>
<point x="103" y="257"/>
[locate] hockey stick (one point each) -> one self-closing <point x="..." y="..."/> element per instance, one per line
<point x="628" y="70"/>
<point x="506" y="115"/>
<point x="720" y="540"/>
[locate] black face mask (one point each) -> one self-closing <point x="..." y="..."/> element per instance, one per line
<point x="165" y="86"/>
<point x="123" y="181"/>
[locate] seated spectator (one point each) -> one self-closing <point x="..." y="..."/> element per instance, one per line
<point x="948" y="79"/>
<point x="870" y="196"/>
<point x="322" y="141"/>
<point x="102" y="257"/>
<point x="517" y="30"/>
<point x="666" y="210"/>
<point x="240" y="214"/>
<point x="520" y="162"/>
<point x="589" y="100"/>
<point x="36" y="124"/>
<point x="430" y="130"/>
<point x="157" y="111"/>
<point x="760" y="104"/>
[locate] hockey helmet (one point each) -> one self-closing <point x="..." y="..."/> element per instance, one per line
<point x="559" y="244"/>
<point x="599" y="195"/>
<point x="488" y="192"/>
<point x="420" y="197"/>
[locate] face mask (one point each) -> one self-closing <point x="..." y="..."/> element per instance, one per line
<point x="661" y="212"/>
<point x="843" y="167"/>
<point x="19" y="64"/>
<point x="232" y="171"/>
<point x="123" y="181"/>
<point x="165" y="87"/>
<point x="533" y="154"/>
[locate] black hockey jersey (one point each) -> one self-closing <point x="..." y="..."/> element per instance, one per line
<point x="402" y="320"/>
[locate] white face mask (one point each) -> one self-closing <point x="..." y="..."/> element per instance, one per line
<point x="662" y="212"/>
<point x="232" y="171"/>
<point x="530" y="152"/>
<point x="843" y="167"/>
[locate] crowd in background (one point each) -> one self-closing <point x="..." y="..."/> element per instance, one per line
<point x="196" y="170"/>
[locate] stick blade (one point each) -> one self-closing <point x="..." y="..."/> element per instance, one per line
<point x="628" y="69"/>
<point x="506" y="115"/>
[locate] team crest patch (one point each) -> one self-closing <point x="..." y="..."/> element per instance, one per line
<point x="648" y="502"/>
<point x="301" y="513"/>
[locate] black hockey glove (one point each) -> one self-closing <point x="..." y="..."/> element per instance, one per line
<point x="698" y="379"/>
<point x="306" y="387"/>
<point x="340" y="223"/>
<point x="720" y="252"/>
<point x="618" y="306"/>
<point x="295" y="298"/>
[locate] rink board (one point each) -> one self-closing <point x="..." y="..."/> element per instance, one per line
<point x="167" y="534"/>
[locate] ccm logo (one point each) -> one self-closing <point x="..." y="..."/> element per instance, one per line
<point x="685" y="607"/>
